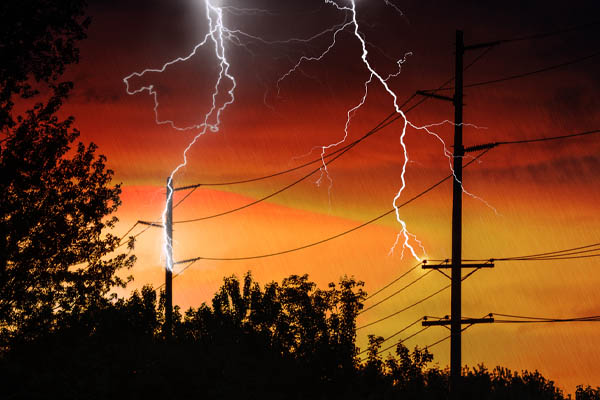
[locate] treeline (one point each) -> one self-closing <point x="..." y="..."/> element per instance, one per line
<point x="281" y="341"/>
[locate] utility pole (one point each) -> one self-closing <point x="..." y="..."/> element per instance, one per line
<point x="456" y="266"/>
<point x="169" y="261"/>
<point x="456" y="272"/>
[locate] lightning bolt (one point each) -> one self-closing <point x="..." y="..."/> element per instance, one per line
<point x="404" y="235"/>
<point x="373" y="75"/>
<point x="212" y="119"/>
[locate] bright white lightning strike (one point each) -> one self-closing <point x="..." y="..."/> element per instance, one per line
<point x="404" y="233"/>
<point x="212" y="119"/>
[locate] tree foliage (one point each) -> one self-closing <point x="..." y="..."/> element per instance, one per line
<point x="38" y="41"/>
<point x="281" y="341"/>
<point x="57" y="197"/>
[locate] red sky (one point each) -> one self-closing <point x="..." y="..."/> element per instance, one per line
<point x="546" y="195"/>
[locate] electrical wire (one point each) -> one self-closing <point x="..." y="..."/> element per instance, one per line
<point x="396" y="292"/>
<point x="560" y="251"/>
<point x="186" y="196"/>
<point x="521" y="75"/>
<point x="542" y="256"/>
<point x="556" y="258"/>
<point x="289" y="186"/>
<point x="523" y="141"/>
<point x="394" y="334"/>
<point x="548" y="34"/>
<point x="418" y="302"/>
<point x="449" y="336"/>
<point x="523" y="319"/>
<point x="394" y="281"/>
<point x="178" y="273"/>
<point x="585" y="133"/>
<point x="383" y="124"/>
<point x="286" y="171"/>
<point x="404" y="309"/>
<point x="403" y="340"/>
<point x="342" y="150"/>
<point x="429" y="189"/>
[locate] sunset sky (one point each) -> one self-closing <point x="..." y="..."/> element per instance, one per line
<point x="528" y="198"/>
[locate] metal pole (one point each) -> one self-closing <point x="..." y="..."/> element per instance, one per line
<point x="169" y="261"/>
<point x="455" y="301"/>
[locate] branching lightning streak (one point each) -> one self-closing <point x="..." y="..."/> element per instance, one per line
<point x="450" y="157"/>
<point x="314" y="58"/>
<point x="212" y="119"/>
<point x="404" y="233"/>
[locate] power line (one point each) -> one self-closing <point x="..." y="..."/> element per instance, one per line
<point x="395" y="334"/>
<point x="491" y="145"/>
<point x="528" y="320"/>
<point x="523" y="319"/>
<point x="396" y="292"/>
<point x="446" y="337"/>
<point x="403" y="340"/>
<point x="550" y="138"/>
<point x="289" y="186"/>
<point x="286" y="171"/>
<point x="554" y="258"/>
<point x="178" y="273"/>
<point x="343" y="149"/>
<point x="560" y="251"/>
<point x="149" y="224"/>
<point x="403" y="309"/>
<point x="394" y="281"/>
<point x="186" y="196"/>
<point x="442" y="86"/>
<point x="538" y="71"/>
<point x="339" y="234"/>
<point x="350" y="145"/>
<point x="548" y="34"/>
<point x="541" y="256"/>
<point x="415" y="304"/>
<point x="383" y="124"/>
<point x="521" y="75"/>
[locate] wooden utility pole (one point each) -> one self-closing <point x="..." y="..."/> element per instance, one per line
<point x="456" y="275"/>
<point x="169" y="261"/>
<point x="456" y="321"/>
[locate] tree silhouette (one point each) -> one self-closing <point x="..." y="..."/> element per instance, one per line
<point x="241" y="347"/>
<point x="56" y="200"/>
<point x="38" y="40"/>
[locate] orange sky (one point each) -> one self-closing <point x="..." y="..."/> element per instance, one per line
<point x="546" y="195"/>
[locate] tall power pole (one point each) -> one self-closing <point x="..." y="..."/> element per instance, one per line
<point x="456" y="276"/>
<point x="169" y="261"/>
<point x="456" y="321"/>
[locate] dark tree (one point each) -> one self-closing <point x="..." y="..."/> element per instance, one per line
<point x="57" y="198"/>
<point x="38" y="40"/>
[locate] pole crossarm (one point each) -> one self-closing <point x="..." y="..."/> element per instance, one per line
<point x="435" y="96"/>
<point x="153" y="224"/>
<point x="479" y="147"/>
<point x="463" y="321"/>
<point x="467" y="265"/>
<point x="177" y="189"/>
